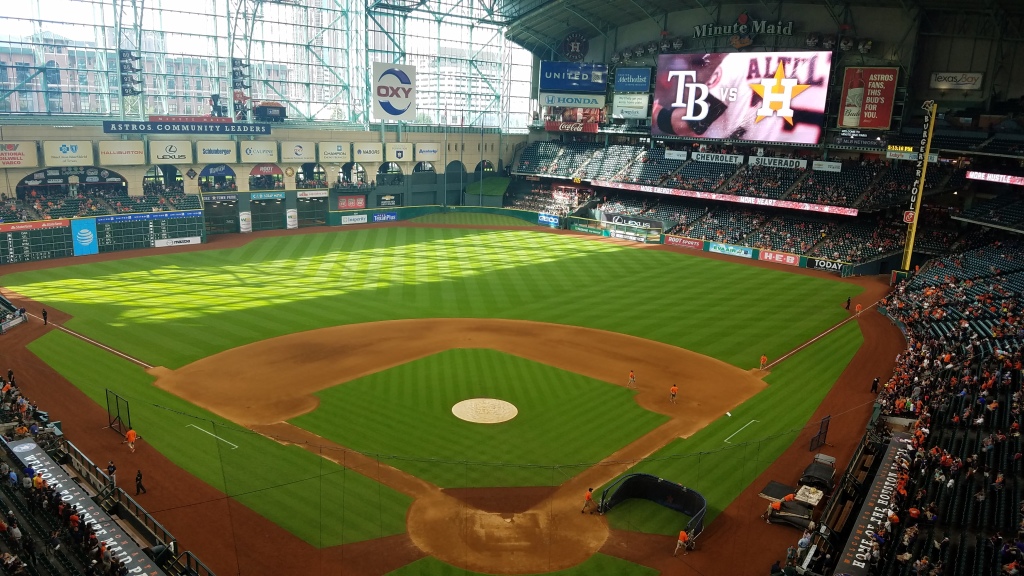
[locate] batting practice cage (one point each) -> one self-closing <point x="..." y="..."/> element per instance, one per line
<point x="660" y="491"/>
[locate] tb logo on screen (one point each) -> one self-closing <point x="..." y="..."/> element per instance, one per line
<point x="776" y="94"/>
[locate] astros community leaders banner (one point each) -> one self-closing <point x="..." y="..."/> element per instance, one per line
<point x="119" y="127"/>
<point x="394" y="92"/>
<point x="762" y="96"/>
<point x="867" y="99"/>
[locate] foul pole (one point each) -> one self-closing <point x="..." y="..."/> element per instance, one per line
<point x="919" y="177"/>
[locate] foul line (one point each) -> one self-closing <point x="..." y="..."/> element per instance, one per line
<point x="819" y="336"/>
<point x="95" y="343"/>
<point x="740" y="430"/>
<point x="233" y="446"/>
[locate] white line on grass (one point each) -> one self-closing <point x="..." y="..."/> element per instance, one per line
<point x="738" y="431"/>
<point x="233" y="446"/>
<point x="819" y="336"/>
<point x="95" y="343"/>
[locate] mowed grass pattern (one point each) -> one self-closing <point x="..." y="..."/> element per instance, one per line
<point x="719" y="470"/>
<point x="472" y="219"/>
<point x="596" y="565"/>
<point x="564" y="419"/>
<point x="172" y="309"/>
<point x="313" y="498"/>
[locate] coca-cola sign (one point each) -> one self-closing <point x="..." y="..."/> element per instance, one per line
<point x="589" y="127"/>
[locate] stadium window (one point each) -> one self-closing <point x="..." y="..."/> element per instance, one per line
<point x="52" y="73"/>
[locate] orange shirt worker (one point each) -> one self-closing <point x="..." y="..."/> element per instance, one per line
<point x="764" y="361"/>
<point x="632" y="380"/>
<point x="588" y="501"/>
<point x="684" y="543"/>
<point x="672" y="393"/>
<point x="130" y="438"/>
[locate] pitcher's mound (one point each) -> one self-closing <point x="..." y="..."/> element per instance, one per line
<point x="485" y="410"/>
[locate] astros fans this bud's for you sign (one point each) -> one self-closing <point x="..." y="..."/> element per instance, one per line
<point x="394" y="91"/>
<point x="760" y="96"/>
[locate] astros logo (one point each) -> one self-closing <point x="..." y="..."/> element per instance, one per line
<point x="777" y="95"/>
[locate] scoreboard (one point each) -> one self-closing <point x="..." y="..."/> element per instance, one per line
<point x="28" y="241"/>
<point x="45" y="239"/>
<point x="149" y="230"/>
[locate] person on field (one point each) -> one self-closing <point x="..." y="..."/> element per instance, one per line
<point x="130" y="439"/>
<point x="588" y="501"/>
<point x="632" y="380"/>
<point x="44" y="317"/>
<point x="112" y="472"/>
<point x="683" y="542"/>
<point x="847" y="303"/>
<point x="672" y="393"/>
<point x="138" y="483"/>
<point x="764" y="361"/>
<point x="859" y="308"/>
<point x="874" y="385"/>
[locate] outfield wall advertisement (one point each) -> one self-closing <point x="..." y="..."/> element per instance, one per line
<point x="731" y="250"/>
<point x="758" y="96"/>
<point x="691" y="243"/>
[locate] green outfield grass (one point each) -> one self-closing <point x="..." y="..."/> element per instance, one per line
<point x="406" y="411"/>
<point x="172" y="309"/>
<point x="597" y="565"/>
<point x="472" y="219"/>
<point x="719" y="470"/>
<point x="492" y="186"/>
<point x="311" y="497"/>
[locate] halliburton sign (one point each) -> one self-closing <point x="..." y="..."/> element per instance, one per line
<point x="588" y="127"/>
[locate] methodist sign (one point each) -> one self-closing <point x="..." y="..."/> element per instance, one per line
<point x="632" y="80"/>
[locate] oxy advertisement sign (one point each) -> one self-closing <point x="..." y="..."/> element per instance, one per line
<point x="298" y="152"/>
<point x="68" y="153"/>
<point x="216" y="152"/>
<point x="758" y="96"/>
<point x="569" y="100"/>
<point x="548" y="220"/>
<point x="18" y="155"/>
<point x="258" y="152"/>
<point x="779" y="258"/>
<point x="721" y="158"/>
<point x="428" y="152"/>
<point x="684" y="242"/>
<point x="170" y="152"/>
<point x="83" y="235"/>
<point x="369" y="152"/>
<point x="394" y="91"/>
<point x="335" y="152"/>
<point x="630" y="105"/>
<point x="122" y="153"/>
<point x="573" y="77"/>
<point x="955" y="80"/>
<point x="730" y="250"/>
<point x="867" y="98"/>
<point x="826" y="166"/>
<point x="632" y="80"/>
<point x="791" y="163"/>
<point x="399" y="152"/>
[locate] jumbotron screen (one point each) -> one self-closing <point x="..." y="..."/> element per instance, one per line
<point x="759" y="96"/>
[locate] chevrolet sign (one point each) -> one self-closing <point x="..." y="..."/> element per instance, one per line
<point x="566" y="100"/>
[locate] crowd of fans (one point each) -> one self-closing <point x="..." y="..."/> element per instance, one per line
<point x="959" y="489"/>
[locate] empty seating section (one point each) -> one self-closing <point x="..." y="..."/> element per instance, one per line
<point x="1004" y="210"/>
<point x="624" y="204"/>
<point x="185" y="201"/>
<point x="680" y="211"/>
<point x="1005" y="146"/>
<point x="791" y="234"/>
<point x="763" y="181"/>
<point x="960" y="378"/>
<point x="537" y="157"/>
<point x="861" y="240"/>
<point x="607" y="162"/>
<point x="895" y="184"/>
<point x="936" y="231"/>
<point x="724" y="224"/>
<point x="572" y="158"/>
<point x="701" y="176"/>
<point x="836" y="188"/>
<point x="650" y="167"/>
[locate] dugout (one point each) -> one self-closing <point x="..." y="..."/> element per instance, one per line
<point x="267" y="213"/>
<point x="221" y="213"/>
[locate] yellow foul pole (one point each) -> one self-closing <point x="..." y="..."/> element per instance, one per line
<point x="912" y="216"/>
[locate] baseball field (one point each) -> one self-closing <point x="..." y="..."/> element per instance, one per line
<point x="311" y="378"/>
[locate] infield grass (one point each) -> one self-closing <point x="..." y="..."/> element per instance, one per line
<point x="406" y="411"/>
<point x="720" y="471"/>
<point x="311" y="497"/>
<point x="596" y="565"/>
